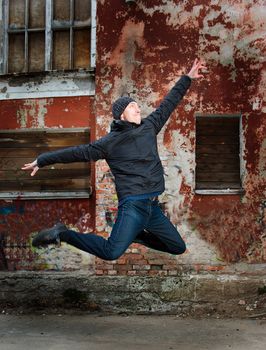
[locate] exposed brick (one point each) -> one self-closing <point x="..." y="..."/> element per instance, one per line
<point x="142" y="272"/>
<point x="126" y="267"/>
<point x="156" y="267"/>
<point x="142" y="248"/>
<point x="131" y="273"/>
<point x="140" y="262"/>
<point x="158" y="261"/>
<point x="122" y="260"/>
<point x="141" y="267"/>
<point x="172" y="272"/>
<point x="105" y="267"/>
<point x="169" y="267"/>
<point x="133" y="256"/>
<point x="135" y="250"/>
<point x="157" y="273"/>
<point x="112" y="272"/>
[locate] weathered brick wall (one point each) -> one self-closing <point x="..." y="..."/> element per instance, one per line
<point x="142" y="49"/>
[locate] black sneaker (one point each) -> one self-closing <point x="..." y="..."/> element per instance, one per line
<point x="49" y="236"/>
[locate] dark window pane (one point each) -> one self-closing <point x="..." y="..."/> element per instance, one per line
<point x="82" y="48"/>
<point x="82" y="10"/>
<point x="61" y="50"/>
<point x="217" y="153"/>
<point x="61" y="10"/>
<point x="16" y="13"/>
<point x="36" y="51"/>
<point x="37" y="14"/>
<point x="16" y="53"/>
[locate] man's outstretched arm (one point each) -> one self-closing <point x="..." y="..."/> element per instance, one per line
<point x="82" y="153"/>
<point x="160" y="116"/>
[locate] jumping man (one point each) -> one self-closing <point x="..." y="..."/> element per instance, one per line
<point x="130" y="150"/>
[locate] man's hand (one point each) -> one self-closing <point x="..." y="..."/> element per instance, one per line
<point x="194" y="71"/>
<point x="31" y="166"/>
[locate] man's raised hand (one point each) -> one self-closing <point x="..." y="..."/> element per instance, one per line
<point x="194" y="71"/>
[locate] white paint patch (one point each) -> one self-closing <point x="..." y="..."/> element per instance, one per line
<point x="107" y="88"/>
<point x="54" y="84"/>
<point x="22" y="118"/>
<point x="256" y="104"/>
<point x="241" y="38"/>
<point x="33" y="115"/>
<point x="175" y="13"/>
<point x="262" y="160"/>
<point x="180" y="165"/>
<point x="198" y="250"/>
<point x="65" y="258"/>
<point x="227" y="53"/>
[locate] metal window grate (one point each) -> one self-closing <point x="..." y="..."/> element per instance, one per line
<point x="48" y="35"/>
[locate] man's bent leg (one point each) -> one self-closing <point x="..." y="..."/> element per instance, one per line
<point x="130" y="221"/>
<point x="149" y="240"/>
<point x="162" y="235"/>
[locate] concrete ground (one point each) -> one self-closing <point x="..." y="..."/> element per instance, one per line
<point x="90" y="332"/>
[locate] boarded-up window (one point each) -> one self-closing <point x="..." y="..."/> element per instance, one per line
<point x="47" y="35"/>
<point x="218" y="152"/>
<point x="18" y="147"/>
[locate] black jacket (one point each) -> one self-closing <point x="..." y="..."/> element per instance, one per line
<point x="129" y="149"/>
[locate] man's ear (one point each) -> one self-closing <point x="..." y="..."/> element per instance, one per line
<point x="122" y="116"/>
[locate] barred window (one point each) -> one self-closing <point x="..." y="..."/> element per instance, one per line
<point x="45" y="35"/>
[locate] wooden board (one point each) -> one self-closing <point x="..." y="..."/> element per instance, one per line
<point x="20" y="147"/>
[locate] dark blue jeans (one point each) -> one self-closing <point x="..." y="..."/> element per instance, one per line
<point x="140" y="221"/>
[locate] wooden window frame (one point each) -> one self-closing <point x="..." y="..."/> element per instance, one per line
<point x="222" y="191"/>
<point x="41" y="194"/>
<point x="48" y="36"/>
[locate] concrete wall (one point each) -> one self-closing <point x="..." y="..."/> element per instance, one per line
<point x="142" y="49"/>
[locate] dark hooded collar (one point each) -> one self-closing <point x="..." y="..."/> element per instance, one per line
<point x="119" y="125"/>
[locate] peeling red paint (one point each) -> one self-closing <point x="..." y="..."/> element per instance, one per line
<point x="60" y="112"/>
<point x="26" y="217"/>
<point x="167" y="49"/>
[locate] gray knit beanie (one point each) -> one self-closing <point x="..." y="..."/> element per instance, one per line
<point x="120" y="105"/>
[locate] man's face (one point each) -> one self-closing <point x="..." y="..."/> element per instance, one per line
<point x="132" y="113"/>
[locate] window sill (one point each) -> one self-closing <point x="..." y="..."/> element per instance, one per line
<point x="44" y="195"/>
<point x="220" y="191"/>
<point x="47" y="84"/>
